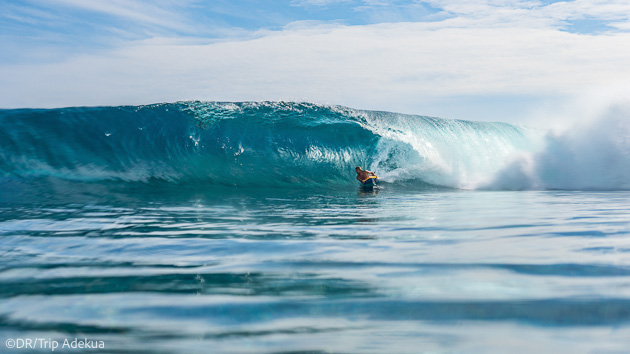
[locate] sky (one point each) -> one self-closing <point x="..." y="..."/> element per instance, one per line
<point x="492" y="60"/>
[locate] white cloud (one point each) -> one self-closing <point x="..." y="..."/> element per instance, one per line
<point x="395" y="66"/>
<point x="163" y="14"/>
<point x="527" y="12"/>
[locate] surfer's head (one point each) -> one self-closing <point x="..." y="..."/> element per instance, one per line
<point x="358" y="169"/>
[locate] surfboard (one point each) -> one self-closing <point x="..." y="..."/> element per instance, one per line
<point x="370" y="182"/>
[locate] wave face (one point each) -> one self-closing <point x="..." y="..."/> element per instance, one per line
<point x="253" y="144"/>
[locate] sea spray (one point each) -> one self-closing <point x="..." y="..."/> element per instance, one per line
<point x="592" y="156"/>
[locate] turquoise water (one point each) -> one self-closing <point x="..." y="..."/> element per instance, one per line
<point x="163" y="229"/>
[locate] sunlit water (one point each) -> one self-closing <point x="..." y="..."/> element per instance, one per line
<point x="339" y="270"/>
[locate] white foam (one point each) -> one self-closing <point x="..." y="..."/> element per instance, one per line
<point x="591" y="156"/>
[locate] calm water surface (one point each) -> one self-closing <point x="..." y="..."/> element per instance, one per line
<point x="342" y="270"/>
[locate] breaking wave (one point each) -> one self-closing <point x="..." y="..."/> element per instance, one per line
<point x="284" y="144"/>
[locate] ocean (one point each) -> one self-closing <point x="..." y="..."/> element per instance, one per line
<point x="198" y="227"/>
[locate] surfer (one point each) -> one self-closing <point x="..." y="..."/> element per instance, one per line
<point x="363" y="175"/>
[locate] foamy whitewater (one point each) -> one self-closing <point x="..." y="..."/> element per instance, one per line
<point x="192" y="227"/>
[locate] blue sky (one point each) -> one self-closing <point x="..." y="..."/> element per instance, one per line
<point x="477" y="59"/>
<point x="84" y="25"/>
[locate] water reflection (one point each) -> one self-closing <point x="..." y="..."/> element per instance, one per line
<point x="336" y="270"/>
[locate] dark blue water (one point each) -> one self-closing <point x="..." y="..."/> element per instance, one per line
<point x="205" y="227"/>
